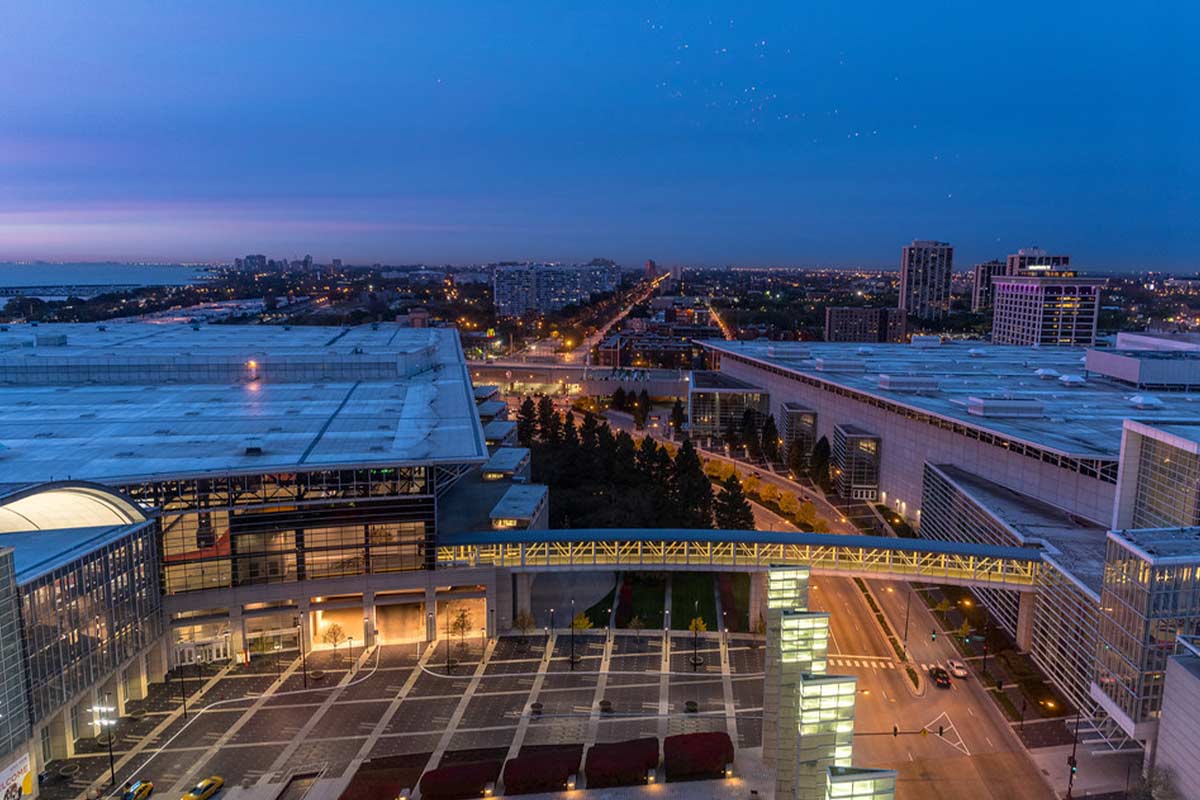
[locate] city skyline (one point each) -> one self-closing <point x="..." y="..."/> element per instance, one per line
<point x="693" y="136"/>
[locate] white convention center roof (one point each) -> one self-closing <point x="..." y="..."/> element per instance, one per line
<point x="138" y="400"/>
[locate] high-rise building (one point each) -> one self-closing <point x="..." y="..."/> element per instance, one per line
<point x="1045" y="308"/>
<point x="1034" y="259"/>
<point x="981" y="292"/>
<point x="520" y="289"/>
<point x="925" y="270"/>
<point x="676" y="273"/>
<point x="849" y="324"/>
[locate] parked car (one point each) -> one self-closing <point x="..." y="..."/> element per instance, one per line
<point x="940" y="677"/>
<point x="205" y="788"/>
<point x="957" y="668"/>
<point x="138" y="791"/>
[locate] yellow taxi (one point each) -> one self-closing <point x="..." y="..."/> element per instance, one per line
<point x="205" y="788"/>
<point x="138" y="791"/>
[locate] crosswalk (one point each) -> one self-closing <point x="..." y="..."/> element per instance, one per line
<point x="876" y="663"/>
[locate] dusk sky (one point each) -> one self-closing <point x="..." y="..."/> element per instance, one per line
<point x="789" y="133"/>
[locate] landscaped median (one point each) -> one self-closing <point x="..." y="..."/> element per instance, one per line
<point x="893" y="640"/>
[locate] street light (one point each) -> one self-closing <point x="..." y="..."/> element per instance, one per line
<point x="572" y="634"/>
<point x="350" y="647"/>
<point x="105" y="721"/>
<point x="277" y="648"/>
<point x="695" y="634"/>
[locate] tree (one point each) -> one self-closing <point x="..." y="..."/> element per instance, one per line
<point x="769" y="494"/>
<point x="731" y="508"/>
<point x="618" y="399"/>
<point x="460" y="626"/>
<point x="582" y="622"/>
<point x="797" y="459"/>
<point x="697" y="625"/>
<point x="647" y="457"/>
<point x="570" y="435"/>
<point x="749" y="434"/>
<point x="788" y="504"/>
<point x="644" y="404"/>
<point x="820" y="525"/>
<point x="819" y="462"/>
<point x="964" y="630"/>
<point x="677" y="418"/>
<point x="527" y="422"/>
<point x="549" y="424"/>
<point x="639" y="409"/>
<point x="587" y="432"/>
<point x="732" y="437"/>
<point x="691" y="489"/>
<point x="770" y="439"/>
<point x="943" y="606"/>
<point x="751" y="485"/>
<point x="524" y="623"/>
<point x="334" y="635"/>
<point x="636" y="625"/>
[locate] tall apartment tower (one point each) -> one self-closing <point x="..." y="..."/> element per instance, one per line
<point x="1046" y="308"/>
<point x="852" y="324"/>
<point x="1035" y="259"/>
<point x="981" y="292"/>
<point x="925" y="269"/>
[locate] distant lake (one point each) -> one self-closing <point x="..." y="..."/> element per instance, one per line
<point x="46" y="274"/>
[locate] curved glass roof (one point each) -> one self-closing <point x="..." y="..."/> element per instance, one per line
<point x="57" y="507"/>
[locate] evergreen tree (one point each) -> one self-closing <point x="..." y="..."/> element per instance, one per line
<point x="677" y="418"/>
<point x="749" y="434"/>
<point x="770" y="439"/>
<point x="527" y="422"/>
<point x="731" y="508"/>
<point x="732" y="438"/>
<point x="587" y="432"/>
<point x="797" y="459"/>
<point x="570" y="434"/>
<point x="624" y="467"/>
<point x="644" y="404"/>
<point x="618" y="399"/>
<point x="646" y="458"/>
<point x="549" y="424"/>
<point x="818" y="462"/>
<point x="691" y="489"/>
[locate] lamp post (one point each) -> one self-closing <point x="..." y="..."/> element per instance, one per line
<point x="448" y="639"/>
<point x="695" y="635"/>
<point x="350" y="647"/>
<point x="1072" y="762"/>
<point x="907" y="606"/>
<point x="572" y="634"/>
<point x="107" y="723"/>
<point x="303" y="659"/>
<point x="277" y="648"/>
<point x="183" y="691"/>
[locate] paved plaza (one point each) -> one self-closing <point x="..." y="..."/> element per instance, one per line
<point x="256" y="724"/>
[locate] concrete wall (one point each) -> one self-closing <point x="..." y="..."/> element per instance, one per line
<point x="1179" y="727"/>
<point x="906" y="444"/>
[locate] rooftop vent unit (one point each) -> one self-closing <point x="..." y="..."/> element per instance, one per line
<point x="865" y="351"/>
<point x="101" y="327"/>
<point x="976" y="352"/>
<point x="50" y="339"/>
<point x="787" y="351"/>
<point x="908" y="383"/>
<point x="1072" y="380"/>
<point x="839" y="365"/>
<point x="1046" y="373"/>
<point x="1001" y="407"/>
<point x="1145" y="401"/>
<point x="926" y="341"/>
<point x="254" y="450"/>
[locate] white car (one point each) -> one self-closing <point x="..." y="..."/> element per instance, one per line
<point x="957" y="668"/>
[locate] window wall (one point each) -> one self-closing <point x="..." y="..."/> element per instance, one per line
<point x="1168" y="486"/>
<point x="84" y="619"/>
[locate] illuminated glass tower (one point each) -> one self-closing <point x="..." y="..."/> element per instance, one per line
<point x="826" y="731"/>
<point x="853" y="783"/>
<point x="787" y="590"/>
<point x="803" y="644"/>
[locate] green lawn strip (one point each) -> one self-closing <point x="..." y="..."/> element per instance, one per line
<point x="692" y="592"/>
<point x="649" y="597"/>
<point x="598" y="613"/>
<point x="741" y="597"/>
<point x="897" y="647"/>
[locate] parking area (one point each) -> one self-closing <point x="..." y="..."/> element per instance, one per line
<point x="267" y="721"/>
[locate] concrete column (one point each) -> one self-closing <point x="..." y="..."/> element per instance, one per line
<point x="237" y="635"/>
<point x="136" y="679"/>
<point x="62" y="742"/>
<point x="500" y="603"/>
<point x="156" y="660"/>
<point x="304" y="610"/>
<point x="524" y="598"/>
<point x="1025" y="614"/>
<point x="431" y="611"/>
<point x="87" y="717"/>
<point x="112" y="692"/>
<point x="369" y="619"/>
<point x="758" y="599"/>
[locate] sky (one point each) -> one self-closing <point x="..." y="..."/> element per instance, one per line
<point x="805" y="132"/>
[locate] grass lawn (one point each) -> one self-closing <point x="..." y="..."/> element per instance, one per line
<point x="692" y="591"/>
<point x="598" y="613"/>
<point x="649" y="597"/>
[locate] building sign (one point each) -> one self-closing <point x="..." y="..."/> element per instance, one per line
<point x="16" y="779"/>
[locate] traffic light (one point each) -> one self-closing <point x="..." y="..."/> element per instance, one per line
<point x="1073" y="764"/>
<point x="933" y="636"/>
<point x="895" y="730"/>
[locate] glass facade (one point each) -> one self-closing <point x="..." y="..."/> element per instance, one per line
<point x="1149" y="601"/>
<point x="83" y="619"/>
<point x="255" y="529"/>
<point x="826" y="731"/>
<point x="712" y="413"/>
<point x="14" y="707"/>
<point x="798" y="426"/>
<point x="1168" y="486"/>
<point x="787" y="593"/>
<point x="855" y="463"/>
<point x="843" y="783"/>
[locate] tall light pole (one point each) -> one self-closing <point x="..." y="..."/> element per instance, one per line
<point x="907" y="605"/>
<point x="572" y="634"/>
<point x="108" y="724"/>
<point x="695" y="635"/>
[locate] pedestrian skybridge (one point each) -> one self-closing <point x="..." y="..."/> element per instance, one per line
<point x="679" y="549"/>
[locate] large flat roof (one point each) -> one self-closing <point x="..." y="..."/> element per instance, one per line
<point x="138" y="401"/>
<point x="1081" y="420"/>
<point x="1075" y="545"/>
<point x="37" y="553"/>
